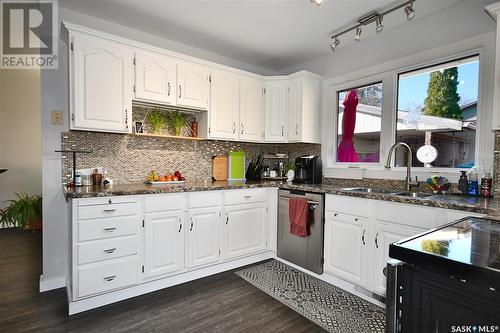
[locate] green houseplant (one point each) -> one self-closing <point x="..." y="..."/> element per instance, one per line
<point x="176" y="121"/>
<point x="23" y="212"/>
<point x="156" y="120"/>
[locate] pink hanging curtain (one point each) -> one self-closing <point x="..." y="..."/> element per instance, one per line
<point x="346" y="151"/>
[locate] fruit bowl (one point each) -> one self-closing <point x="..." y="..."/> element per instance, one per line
<point x="175" y="178"/>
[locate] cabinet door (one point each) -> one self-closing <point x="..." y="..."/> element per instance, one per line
<point x="250" y="109"/>
<point x="203" y="241"/>
<point x="294" y="109"/>
<point x="101" y="78"/>
<point x="346" y="239"/>
<point x="274" y="111"/>
<point x="154" y="78"/>
<point x="193" y="86"/>
<point x="163" y="243"/>
<point x="224" y="105"/>
<point x="386" y="234"/>
<point x="244" y="230"/>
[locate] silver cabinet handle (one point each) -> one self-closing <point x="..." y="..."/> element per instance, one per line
<point x="110" y="201"/>
<point x="376" y="240"/>
<point x="363" y="237"/>
<point x="110" y="250"/>
<point x="247" y="196"/>
<point x="110" y="229"/>
<point x="282" y="130"/>
<point x="180" y="91"/>
<point x="234" y="127"/>
<point x="335" y="214"/>
<point x="227" y="218"/>
<point x="297" y="129"/>
<point x="110" y="278"/>
<point x="168" y="88"/>
<point x="191" y="228"/>
<point x="109" y="210"/>
<point x="356" y="219"/>
<point x="126" y="119"/>
<point x="180" y="224"/>
<point x="242" y="128"/>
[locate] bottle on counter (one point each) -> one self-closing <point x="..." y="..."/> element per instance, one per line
<point x="463" y="182"/>
<point x="486" y="184"/>
<point x="473" y="187"/>
<point x="78" y="179"/>
<point x="194" y="128"/>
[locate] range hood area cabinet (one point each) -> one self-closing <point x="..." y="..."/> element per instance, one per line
<point x="107" y="72"/>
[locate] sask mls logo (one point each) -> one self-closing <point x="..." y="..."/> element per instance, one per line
<point x="29" y="34"/>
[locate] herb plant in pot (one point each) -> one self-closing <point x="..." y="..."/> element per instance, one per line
<point x="23" y="212"/>
<point x="156" y="121"/>
<point x="176" y="121"/>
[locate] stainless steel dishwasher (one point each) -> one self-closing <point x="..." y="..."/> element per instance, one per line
<point x="306" y="252"/>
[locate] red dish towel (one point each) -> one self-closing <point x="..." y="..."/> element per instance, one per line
<point x="298" y="210"/>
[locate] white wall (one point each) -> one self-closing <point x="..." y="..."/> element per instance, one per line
<point x="454" y="23"/>
<point x="20" y="133"/>
<point x="55" y="96"/>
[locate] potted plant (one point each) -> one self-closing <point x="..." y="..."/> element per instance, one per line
<point x="176" y="121"/>
<point x="156" y="120"/>
<point x="23" y="212"/>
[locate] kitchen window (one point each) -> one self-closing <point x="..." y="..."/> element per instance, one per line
<point x="437" y="106"/>
<point x="359" y="119"/>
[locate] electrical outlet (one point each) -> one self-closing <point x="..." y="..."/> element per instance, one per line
<point x="56" y="117"/>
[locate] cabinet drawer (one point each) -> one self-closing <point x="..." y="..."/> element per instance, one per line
<point x="106" y="200"/>
<point x="164" y="202"/>
<point x="234" y="197"/>
<point x="109" y="210"/>
<point x="348" y="205"/>
<point x="105" y="228"/>
<point x="411" y="215"/>
<point x="102" y="277"/>
<point x="107" y="249"/>
<point x="205" y="199"/>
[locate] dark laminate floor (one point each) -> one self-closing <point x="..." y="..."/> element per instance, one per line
<point x="220" y="303"/>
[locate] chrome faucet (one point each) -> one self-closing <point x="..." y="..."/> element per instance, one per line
<point x="409" y="182"/>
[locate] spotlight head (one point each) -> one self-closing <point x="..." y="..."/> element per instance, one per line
<point x="378" y="22"/>
<point x="410" y="12"/>
<point x="357" y="37"/>
<point x="335" y="43"/>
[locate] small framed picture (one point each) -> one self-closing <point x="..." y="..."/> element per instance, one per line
<point x="138" y="127"/>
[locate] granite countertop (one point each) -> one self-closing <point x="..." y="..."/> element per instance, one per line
<point x="487" y="206"/>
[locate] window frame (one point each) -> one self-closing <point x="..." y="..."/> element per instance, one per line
<point x="388" y="74"/>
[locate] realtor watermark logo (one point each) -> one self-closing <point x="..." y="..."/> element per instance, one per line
<point x="28" y="34"/>
<point x="474" y="328"/>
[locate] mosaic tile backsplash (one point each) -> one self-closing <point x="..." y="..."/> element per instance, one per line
<point x="129" y="158"/>
<point x="496" y="164"/>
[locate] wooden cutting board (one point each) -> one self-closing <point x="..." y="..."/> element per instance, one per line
<point x="219" y="168"/>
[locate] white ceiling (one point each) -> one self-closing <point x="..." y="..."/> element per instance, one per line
<point x="269" y="34"/>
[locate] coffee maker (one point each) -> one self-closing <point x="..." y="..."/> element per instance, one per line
<point x="308" y="170"/>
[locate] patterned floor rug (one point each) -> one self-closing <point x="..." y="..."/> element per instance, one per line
<point x="328" y="306"/>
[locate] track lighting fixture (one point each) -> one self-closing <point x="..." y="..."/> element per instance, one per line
<point x="410" y="12"/>
<point x="335" y="43"/>
<point x="357" y="37"/>
<point x="316" y="2"/>
<point x="378" y="22"/>
<point x="375" y="16"/>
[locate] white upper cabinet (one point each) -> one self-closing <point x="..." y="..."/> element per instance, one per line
<point x="303" y="108"/>
<point x="154" y="78"/>
<point x="100" y="84"/>
<point x="224" y="105"/>
<point x="193" y="85"/>
<point x="275" y="110"/>
<point x="250" y="109"/>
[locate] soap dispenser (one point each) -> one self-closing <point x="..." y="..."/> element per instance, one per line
<point x="463" y="182"/>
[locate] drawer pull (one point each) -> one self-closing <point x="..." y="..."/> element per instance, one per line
<point x="109" y="210"/>
<point x="110" y="229"/>
<point x="110" y="250"/>
<point x="247" y="196"/>
<point x="110" y="278"/>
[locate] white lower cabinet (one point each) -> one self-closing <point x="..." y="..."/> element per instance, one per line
<point x="203" y="237"/>
<point x="163" y="243"/>
<point x="343" y="232"/>
<point x="244" y="230"/>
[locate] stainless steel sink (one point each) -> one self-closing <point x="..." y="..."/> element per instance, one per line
<point x="368" y="190"/>
<point x="414" y="194"/>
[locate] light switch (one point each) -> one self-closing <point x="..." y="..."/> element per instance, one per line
<point x="57" y="117"/>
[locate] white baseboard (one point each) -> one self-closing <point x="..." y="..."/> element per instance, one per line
<point x="342" y="284"/>
<point x="147" y="287"/>
<point x="51" y="284"/>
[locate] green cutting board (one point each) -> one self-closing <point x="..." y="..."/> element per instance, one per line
<point x="236" y="165"/>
